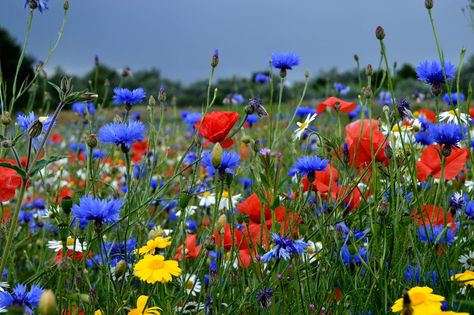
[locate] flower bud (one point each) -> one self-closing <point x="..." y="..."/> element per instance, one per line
<point x="306" y="74"/>
<point x="215" y="58"/>
<point x="246" y="139"/>
<point x="96" y="60"/>
<point x="429" y="4"/>
<point x="162" y="95"/>
<point x="66" y="5"/>
<point x="88" y="96"/>
<point x="216" y="155"/>
<point x="184" y="200"/>
<point x="47" y="304"/>
<point x="282" y="73"/>
<point x="33" y="5"/>
<point x="6" y="144"/>
<point x="151" y="101"/>
<point x="85" y="298"/>
<point x="221" y="222"/>
<point x="66" y="204"/>
<point x="356" y="57"/>
<point x="6" y="118"/>
<point x="92" y="140"/>
<point x="210" y="244"/>
<point x="368" y="70"/>
<point x="35" y="129"/>
<point x="120" y="268"/>
<point x="380" y="33"/>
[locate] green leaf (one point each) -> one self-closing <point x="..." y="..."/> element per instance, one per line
<point x="39" y="165"/>
<point x="18" y="169"/>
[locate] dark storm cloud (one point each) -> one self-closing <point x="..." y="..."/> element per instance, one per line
<point x="178" y="36"/>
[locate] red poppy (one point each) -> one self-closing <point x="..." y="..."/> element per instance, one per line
<point x="215" y="127"/>
<point x="471" y="112"/>
<point x="9" y="181"/>
<point x="71" y="255"/>
<point x="429" y="114"/>
<point x="139" y="149"/>
<point x="430" y="163"/>
<point x="65" y="192"/>
<point x="342" y="106"/>
<point x="191" y="250"/>
<point x="253" y="208"/>
<point x="434" y="216"/>
<point x="363" y="139"/>
<point x="56" y="138"/>
<point x="324" y="181"/>
<point x="351" y="195"/>
<point x="231" y="236"/>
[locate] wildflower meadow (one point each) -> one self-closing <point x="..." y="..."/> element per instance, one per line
<point x="117" y="200"/>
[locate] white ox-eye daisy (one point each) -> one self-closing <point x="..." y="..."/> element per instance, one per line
<point x="304" y="125"/>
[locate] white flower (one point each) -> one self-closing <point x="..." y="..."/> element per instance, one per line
<point x="313" y="251"/>
<point x="3" y="286"/>
<point x="303" y="126"/>
<point x="451" y="117"/>
<point x="189" y="308"/>
<point x="189" y="211"/>
<point x="467" y="260"/>
<point x="469" y="185"/>
<point x="191" y="283"/>
<point x="70" y="245"/>
<point x="208" y="199"/>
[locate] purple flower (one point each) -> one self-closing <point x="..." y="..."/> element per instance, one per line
<point x="124" y="134"/>
<point x="127" y="97"/>
<point x="284" y="248"/>
<point x="432" y="72"/>
<point x="262" y="78"/>
<point x="83" y="108"/>
<point x="285" y="60"/>
<point x="98" y="210"/>
<point x="309" y="164"/>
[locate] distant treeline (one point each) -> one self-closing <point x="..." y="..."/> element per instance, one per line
<point x="102" y="79"/>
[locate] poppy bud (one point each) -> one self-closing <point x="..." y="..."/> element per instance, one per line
<point x="368" y="70"/>
<point x="6" y="118"/>
<point x="92" y="140"/>
<point x="216" y="155"/>
<point x="221" y="222"/>
<point x="184" y="200"/>
<point x="120" y="268"/>
<point x="35" y="129"/>
<point x="47" y="304"/>
<point x="88" y="96"/>
<point x="380" y="33"/>
<point x="65" y="85"/>
<point x="429" y="4"/>
<point x="85" y="298"/>
<point x="246" y="139"/>
<point x="66" y="204"/>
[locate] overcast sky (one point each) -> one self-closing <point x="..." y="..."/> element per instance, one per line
<point x="178" y="36"/>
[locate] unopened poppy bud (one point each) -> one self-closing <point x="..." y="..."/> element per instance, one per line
<point x="151" y="101"/>
<point x="215" y="58"/>
<point x="66" y="204"/>
<point x="246" y="139"/>
<point x="380" y="33"/>
<point x="120" y="268"/>
<point x="47" y="304"/>
<point x="184" y="200"/>
<point x="162" y="95"/>
<point x="216" y="155"/>
<point x="85" y="298"/>
<point x="66" y="5"/>
<point x="368" y="70"/>
<point x="221" y="222"/>
<point x="6" y="118"/>
<point x="35" y="129"/>
<point x="92" y="140"/>
<point x="429" y="4"/>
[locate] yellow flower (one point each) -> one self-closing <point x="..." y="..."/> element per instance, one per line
<point x="141" y="304"/>
<point x="421" y="300"/>
<point x="450" y="313"/>
<point x="98" y="312"/>
<point x="155" y="268"/>
<point x="151" y="246"/>
<point x="465" y="278"/>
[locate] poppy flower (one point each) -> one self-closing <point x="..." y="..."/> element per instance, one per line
<point x="434" y="216"/>
<point x="253" y="208"/>
<point x="56" y="138"/>
<point x="430" y="163"/>
<point x="342" y="106"/>
<point x="471" y="112"/>
<point x="216" y="126"/>
<point x="324" y="182"/>
<point x="351" y="195"/>
<point x="9" y="181"/>
<point x="428" y="114"/>
<point x="363" y="139"/>
<point x="191" y="250"/>
<point x="139" y="149"/>
<point x="231" y="236"/>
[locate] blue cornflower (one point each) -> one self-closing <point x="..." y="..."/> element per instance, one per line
<point x="262" y="78"/>
<point x="447" y="134"/>
<point x="285" y="60"/>
<point x="304" y="111"/>
<point x="83" y="108"/>
<point x="25" y="121"/>
<point x="192" y="118"/>
<point x="456" y="201"/>
<point x="309" y="164"/>
<point x="284" y="248"/>
<point x="252" y="119"/>
<point x="190" y="158"/>
<point x="124" y="134"/>
<point x="430" y="234"/>
<point x="341" y="88"/>
<point x="233" y="99"/>
<point x="385" y="98"/>
<point x="127" y="97"/>
<point x="118" y="251"/>
<point x="356" y="258"/>
<point x="470" y="210"/>
<point x="454" y="98"/>
<point x="40" y="4"/>
<point x="98" y="210"/>
<point x="432" y="72"/>
<point x="139" y="171"/>
<point x="423" y="138"/>
<point x="230" y="160"/>
<point x="21" y="298"/>
<point x="264" y="298"/>
<point x="77" y="147"/>
<point x="357" y="112"/>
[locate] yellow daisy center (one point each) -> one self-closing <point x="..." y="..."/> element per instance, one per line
<point x="69" y="241"/>
<point x="225" y="194"/>
<point x="304" y="125"/>
<point x="206" y="194"/>
<point x="189" y="284"/>
<point x="452" y="112"/>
